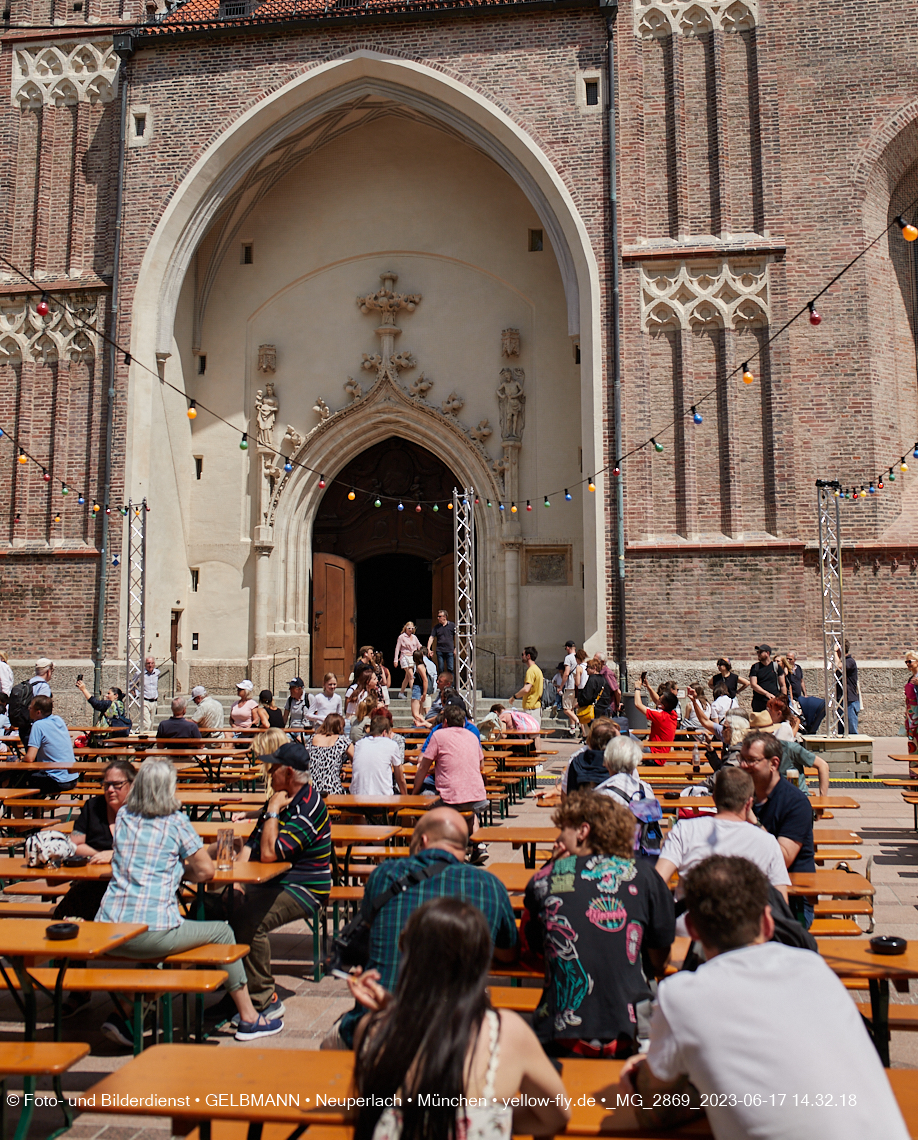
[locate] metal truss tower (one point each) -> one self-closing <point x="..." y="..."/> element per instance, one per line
<point x="833" y="610"/>
<point x="464" y="534"/>
<point x="135" y="629"/>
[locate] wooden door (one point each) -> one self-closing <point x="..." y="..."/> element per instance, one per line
<point x="444" y="587"/>
<point x="333" y="618"/>
<point x="174" y="644"/>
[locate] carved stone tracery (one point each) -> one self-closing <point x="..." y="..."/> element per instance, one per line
<point x="659" y="18"/>
<point x="691" y="294"/>
<point x="61" y="335"/>
<point x="64" y="75"/>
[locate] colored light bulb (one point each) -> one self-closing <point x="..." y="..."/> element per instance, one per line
<point x="567" y="495"/>
<point x="815" y="318"/>
<point x="352" y="494"/>
<point x="449" y="506"/>
<point x="658" y="447"/>
<point x="697" y="416"/>
<point x="909" y="232"/>
<point x="435" y="507"/>
<point x="81" y="500"/>
<point x="23" y="458"/>
<point x="288" y="466"/>
<point x="546" y="503"/>
<point x="43" y="308"/>
<point x="244" y="442"/>
<point x="65" y="490"/>
<point x="377" y="502"/>
<point x="513" y="508"/>
<point x="747" y="375"/>
<point x="46" y="476"/>
<point x="591" y="486"/>
<point x="192" y="411"/>
<point x="418" y="508"/>
<point x="321" y="482"/>
<point x="528" y="505"/>
<point x="401" y="506"/>
<point x="616" y="471"/>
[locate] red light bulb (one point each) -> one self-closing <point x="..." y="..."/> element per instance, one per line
<point x="418" y="508"/>
<point x="43" y="308"/>
<point x="815" y="318"/>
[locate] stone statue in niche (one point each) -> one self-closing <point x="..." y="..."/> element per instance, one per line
<point x="482" y="433"/>
<point x="512" y="401"/>
<point x="322" y="410"/>
<point x="510" y="342"/>
<point x="353" y="389"/>
<point x="267" y="358"/>
<point x="266" y="409"/>
<point x="453" y="404"/>
<point x="295" y="438"/>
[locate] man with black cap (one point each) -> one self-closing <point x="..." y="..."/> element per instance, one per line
<point x="293" y="827"/>
<point x="766" y="680"/>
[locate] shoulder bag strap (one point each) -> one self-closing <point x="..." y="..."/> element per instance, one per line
<point x="419" y="875"/>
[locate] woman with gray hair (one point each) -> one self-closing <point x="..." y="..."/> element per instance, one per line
<point x="622" y="756"/>
<point x="155" y="848"/>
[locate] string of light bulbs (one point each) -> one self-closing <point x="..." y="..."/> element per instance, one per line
<point x="908" y="231"/>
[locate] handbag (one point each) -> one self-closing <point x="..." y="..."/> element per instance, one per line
<point x="586" y="714"/>
<point x="352" y="945"/>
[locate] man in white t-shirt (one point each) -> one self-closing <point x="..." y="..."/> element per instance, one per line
<point x="568" y="693"/>
<point x="767" y="1028"/>
<point x="376" y="761"/>
<point x="727" y="833"/>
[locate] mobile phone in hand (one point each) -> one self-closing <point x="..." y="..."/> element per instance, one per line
<point x="79" y="676"/>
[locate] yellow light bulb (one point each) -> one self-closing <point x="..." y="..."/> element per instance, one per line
<point x="351" y="496"/>
<point x="513" y="509"/>
<point x="903" y="466"/>
<point x="192" y="413"/>
<point x="748" y="378"/>
<point x="23" y="458"/>
<point x="591" y="486"/>
<point x="909" y="232"/>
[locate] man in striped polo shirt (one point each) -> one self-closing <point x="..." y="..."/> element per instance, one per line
<point x="293" y="828"/>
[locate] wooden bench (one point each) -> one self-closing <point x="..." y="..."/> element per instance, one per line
<point x="31" y="1059"/>
<point x="239" y="1130"/>
<point x="523" y="1000"/>
<point x="27" y="910"/>
<point x="842" y="907"/>
<point x="347" y="897"/>
<point x="38" y="887"/>
<point x="903" y="1017"/>
<point x="824" y="855"/>
<point x="835" y="928"/>
<point x="146" y="987"/>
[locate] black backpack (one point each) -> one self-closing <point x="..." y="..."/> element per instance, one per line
<point x="18" y="707"/>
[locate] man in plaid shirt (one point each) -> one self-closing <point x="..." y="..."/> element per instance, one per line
<point x="439" y="836"/>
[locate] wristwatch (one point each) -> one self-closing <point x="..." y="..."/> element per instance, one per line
<point x="272" y="815"/>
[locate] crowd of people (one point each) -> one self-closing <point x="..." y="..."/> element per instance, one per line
<point x="599" y="918"/>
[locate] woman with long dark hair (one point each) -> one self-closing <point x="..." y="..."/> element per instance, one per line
<point x="438" y="1035"/>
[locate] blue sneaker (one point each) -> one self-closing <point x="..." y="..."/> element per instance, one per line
<point x="274" y="1009"/>
<point x="252" y="1030"/>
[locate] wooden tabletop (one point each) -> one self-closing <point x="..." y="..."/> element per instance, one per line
<point x="24" y="766"/>
<point x="198" y="1073"/>
<point x="514" y="876"/>
<point x="25" y="937"/>
<point x="17" y="868"/>
<point x="588" y="1079"/>
<point x="853" y="958"/>
<point x="516" y="835"/>
<point x="205" y="799"/>
<point x="379" y="803"/>
<point x="826" y="837"/>
<point x="361" y="833"/>
<point x="841" y="884"/>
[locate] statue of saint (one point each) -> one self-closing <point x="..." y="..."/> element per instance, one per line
<point x="512" y="401"/>
<point x="266" y="409"/>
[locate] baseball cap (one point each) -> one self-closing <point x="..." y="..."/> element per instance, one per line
<point x="453" y="698"/>
<point x="763" y="649"/>
<point x="291" y="755"/>
<point x="199" y="691"/>
<point x="245" y="685"/>
<point x="296" y="681"/>
<point x="43" y="663"/>
<point x="570" y="645"/>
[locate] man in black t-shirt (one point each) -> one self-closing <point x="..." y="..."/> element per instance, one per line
<point x="443" y="635"/>
<point x="765" y="680"/>
<point x="779" y="807"/>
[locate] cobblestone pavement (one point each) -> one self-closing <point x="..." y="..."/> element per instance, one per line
<point x="884" y="821"/>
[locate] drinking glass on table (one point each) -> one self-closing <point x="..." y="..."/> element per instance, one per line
<point x="225" y="848"/>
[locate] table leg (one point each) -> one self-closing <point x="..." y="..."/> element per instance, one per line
<point x="529" y="850"/>
<point x="879" y="1011"/>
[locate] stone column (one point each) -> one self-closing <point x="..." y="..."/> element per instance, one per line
<point x="261" y="662"/>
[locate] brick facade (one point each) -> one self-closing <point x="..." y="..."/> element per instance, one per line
<point x="760" y="159"/>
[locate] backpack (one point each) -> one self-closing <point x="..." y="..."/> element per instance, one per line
<point x="648" y="839"/>
<point x="352" y="945"/>
<point x="524" y="721"/>
<point x="548" y="693"/>
<point x="118" y="718"/>
<point x="46" y="846"/>
<point x="18" y="707"/>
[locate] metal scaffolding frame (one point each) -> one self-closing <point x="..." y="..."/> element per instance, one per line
<point x="464" y="535"/>
<point x="833" y="610"/>
<point x="135" y="628"/>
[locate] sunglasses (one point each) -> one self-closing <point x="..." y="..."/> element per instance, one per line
<point x="114" y="785"/>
